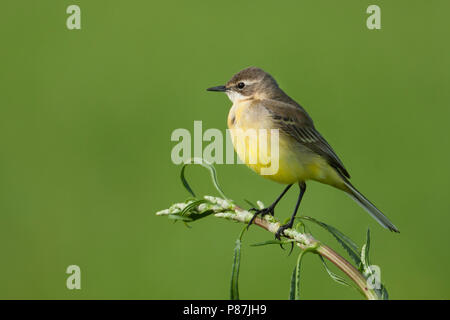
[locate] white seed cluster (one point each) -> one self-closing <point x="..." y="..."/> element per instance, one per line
<point x="175" y="208"/>
<point x="226" y="209"/>
<point x="302" y="238"/>
<point x="214" y="203"/>
<point x="223" y="203"/>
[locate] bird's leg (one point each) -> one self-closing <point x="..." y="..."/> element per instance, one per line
<point x="270" y="209"/>
<point x="280" y="231"/>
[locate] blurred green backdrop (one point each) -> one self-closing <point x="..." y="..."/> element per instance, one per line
<point x="85" y="124"/>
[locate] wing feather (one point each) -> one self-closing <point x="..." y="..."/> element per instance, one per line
<point x="295" y="122"/>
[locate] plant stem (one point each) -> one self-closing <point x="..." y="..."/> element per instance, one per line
<point x="228" y="210"/>
<point x="330" y="255"/>
<point x="348" y="269"/>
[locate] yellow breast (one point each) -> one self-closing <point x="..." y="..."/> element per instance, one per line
<point x="283" y="160"/>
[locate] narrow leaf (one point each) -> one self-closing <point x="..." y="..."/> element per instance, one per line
<point x="344" y="241"/>
<point x="292" y="289"/>
<point x="269" y="242"/>
<point x="197" y="216"/>
<point x="184" y="181"/>
<point x="367" y="248"/>
<point x="191" y="206"/>
<point x="178" y="217"/>
<point x="251" y="204"/>
<point x="365" y="264"/>
<point x="234" y="289"/>
<point x="384" y="294"/>
<point x="206" y="165"/>
<point x="294" y="293"/>
<point x="333" y="275"/>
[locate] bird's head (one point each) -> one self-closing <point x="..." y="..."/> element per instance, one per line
<point x="250" y="83"/>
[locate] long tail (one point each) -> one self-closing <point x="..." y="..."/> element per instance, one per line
<point x="369" y="207"/>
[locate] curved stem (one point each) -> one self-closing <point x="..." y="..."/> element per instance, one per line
<point x="348" y="269"/>
<point x="228" y="210"/>
<point x="333" y="257"/>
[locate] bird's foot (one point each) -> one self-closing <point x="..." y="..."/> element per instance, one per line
<point x="269" y="210"/>
<point x="280" y="231"/>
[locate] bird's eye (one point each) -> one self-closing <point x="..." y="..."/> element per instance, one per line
<point x="241" y="85"/>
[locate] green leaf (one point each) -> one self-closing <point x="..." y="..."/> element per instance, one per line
<point x="333" y="275"/>
<point x="251" y="204"/>
<point x="294" y="293"/>
<point x="292" y="289"/>
<point x="367" y="269"/>
<point x="191" y="206"/>
<point x="211" y="170"/>
<point x="344" y="241"/>
<point x="197" y="216"/>
<point x="189" y="214"/>
<point x="365" y="251"/>
<point x="269" y="242"/>
<point x="184" y="181"/>
<point x="234" y="289"/>
<point x="384" y="295"/>
<point x="178" y="217"/>
<point x="382" y="292"/>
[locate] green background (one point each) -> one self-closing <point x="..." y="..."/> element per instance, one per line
<point x="86" y="118"/>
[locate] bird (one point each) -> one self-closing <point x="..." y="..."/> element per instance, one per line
<point x="304" y="154"/>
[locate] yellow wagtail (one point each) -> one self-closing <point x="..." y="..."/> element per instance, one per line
<point x="258" y="103"/>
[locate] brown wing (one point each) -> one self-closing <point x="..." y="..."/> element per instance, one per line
<point x="294" y="121"/>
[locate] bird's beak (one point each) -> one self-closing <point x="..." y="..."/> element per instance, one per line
<point x="218" y="88"/>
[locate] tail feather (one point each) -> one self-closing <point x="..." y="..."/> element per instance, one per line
<point x="369" y="207"/>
